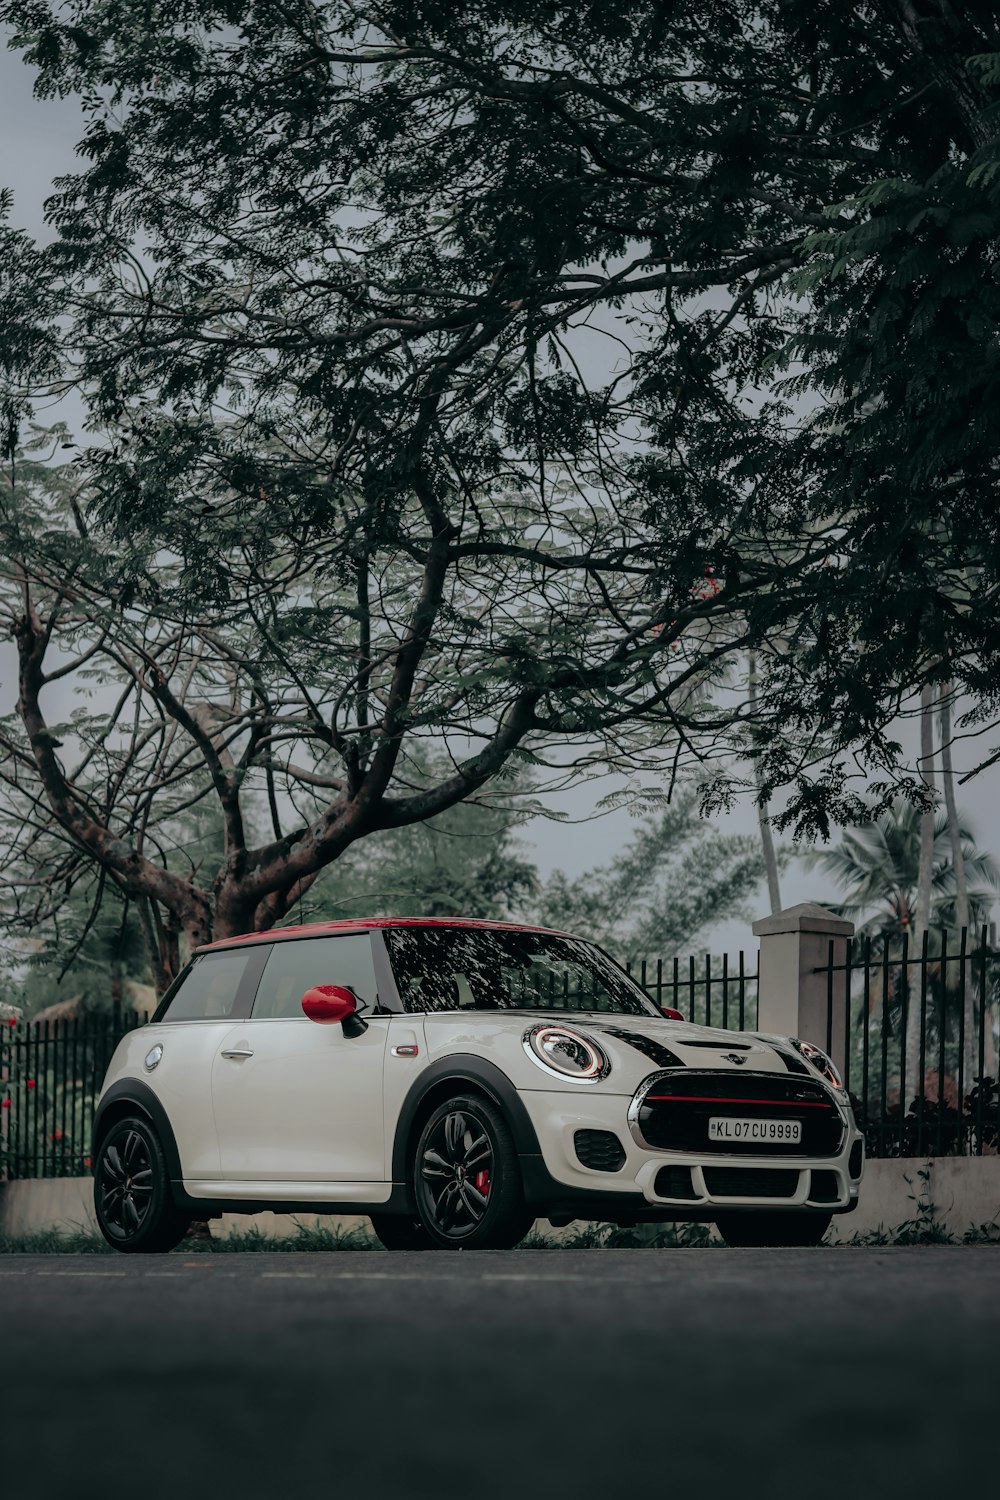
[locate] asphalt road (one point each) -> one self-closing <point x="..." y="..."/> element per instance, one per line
<point x="556" y="1373"/>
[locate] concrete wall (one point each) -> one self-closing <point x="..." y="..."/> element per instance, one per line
<point x="965" y="1192"/>
<point x="65" y="1203"/>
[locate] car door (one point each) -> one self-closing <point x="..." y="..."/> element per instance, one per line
<point x="189" y="1027"/>
<point x="296" y="1101"/>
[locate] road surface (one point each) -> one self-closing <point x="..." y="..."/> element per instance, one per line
<point x="551" y="1373"/>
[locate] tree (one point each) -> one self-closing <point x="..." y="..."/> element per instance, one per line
<point x="957" y="859"/>
<point x="464" y="862"/>
<point x="372" y="240"/>
<point x="302" y="703"/>
<point x="877" y="865"/>
<point x="673" y="882"/>
<point x="321" y="279"/>
<point x="763" y="822"/>
<point x="88" y="954"/>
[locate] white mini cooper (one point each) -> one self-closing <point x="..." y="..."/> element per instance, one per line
<point x="455" y="1080"/>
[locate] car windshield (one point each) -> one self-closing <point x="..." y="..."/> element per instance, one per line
<point x="470" y="968"/>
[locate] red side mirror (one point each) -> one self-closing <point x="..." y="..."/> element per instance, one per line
<point x="671" y="1014"/>
<point x="329" y="1002"/>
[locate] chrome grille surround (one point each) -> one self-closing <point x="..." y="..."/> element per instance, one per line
<point x="781" y="1087"/>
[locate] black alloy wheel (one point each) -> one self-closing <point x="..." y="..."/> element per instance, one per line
<point x="781" y="1227"/>
<point x="397" y="1232"/>
<point x="132" y="1199"/>
<point x="466" y="1178"/>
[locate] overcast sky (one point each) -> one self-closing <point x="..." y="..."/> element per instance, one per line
<point x="38" y="137"/>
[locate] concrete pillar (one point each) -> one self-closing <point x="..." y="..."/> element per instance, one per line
<point x="793" y="987"/>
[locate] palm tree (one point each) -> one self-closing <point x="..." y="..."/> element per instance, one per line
<point x="763" y="822"/>
<point x="957" y="858"/>
<point x="878" y="867"/>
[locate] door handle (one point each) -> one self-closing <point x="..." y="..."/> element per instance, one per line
<point x="237" y="1052"/>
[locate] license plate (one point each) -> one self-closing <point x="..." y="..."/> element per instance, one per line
<point x="788" y="1131"/>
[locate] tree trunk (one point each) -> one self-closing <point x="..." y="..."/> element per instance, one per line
<point x="970" y="1050"/>
<point x="922" y="913"/>
<point x="766" y="837"/>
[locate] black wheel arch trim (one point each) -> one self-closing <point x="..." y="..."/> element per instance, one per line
<point x="462" y="1068"/>
<point x="140" y="1096"/>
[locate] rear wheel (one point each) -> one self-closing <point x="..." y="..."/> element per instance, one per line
<point x="398" y="1233"/>
<point x="135" y="1212"/>
<point x="466" y="1178"/>
<point x="777" y="1228"/>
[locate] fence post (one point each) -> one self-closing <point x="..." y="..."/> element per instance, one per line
<point x="794" y="986"/>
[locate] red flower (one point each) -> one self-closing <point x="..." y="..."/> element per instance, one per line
<point x="86" y="1161"/>
<point x="29" y="1083"/>
<point x="5" y="1104"/>
<point x="56" y="1135"/>
<point x="12" y="1021"/>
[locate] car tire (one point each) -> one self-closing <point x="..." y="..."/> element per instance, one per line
<point x="135" y="1211"/>
<point x="396" y="1232"/>
<point x="773" y="1228"/>
<point x="466" y="1178"/>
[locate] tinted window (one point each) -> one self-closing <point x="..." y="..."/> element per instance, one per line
<point x="210" y="988"/>
<point x="455" y="968"/>
<point x="295" y="967"/>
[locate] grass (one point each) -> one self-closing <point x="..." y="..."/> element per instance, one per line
<point x="917" y="1231"/>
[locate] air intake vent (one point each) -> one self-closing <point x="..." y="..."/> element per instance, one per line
<point x="750" y="1182"/>
<point x="825" y="1187"/>
<point x="674" y="1182"/>
<point x="599" y="1150"/>
<point x="857" y="1160"/>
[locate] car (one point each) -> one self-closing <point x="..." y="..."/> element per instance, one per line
<point x="455" y="1080"/>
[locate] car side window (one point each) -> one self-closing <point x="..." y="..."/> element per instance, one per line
<point x="211" y="989"/>
<point x="296" y="965"/>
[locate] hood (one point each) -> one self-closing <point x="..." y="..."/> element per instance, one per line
<point x="671" y="1044"/>
<point x="636" y="1046"/>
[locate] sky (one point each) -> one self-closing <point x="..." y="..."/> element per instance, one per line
<point x="37" y="139"/>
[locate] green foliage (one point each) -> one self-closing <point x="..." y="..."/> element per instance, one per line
<point x="877" y="863"/>
<point x="88" y="954"/>
<point x="321" y="283"/>
<point x="676" y="879"/>
<point x="464" y="862"/>
<point x="358" y="477"/>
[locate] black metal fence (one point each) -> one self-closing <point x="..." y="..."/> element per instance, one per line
<point x="920" y="1053"/>
<point x="711" y="991"/>
<point x="51" y="1074"/>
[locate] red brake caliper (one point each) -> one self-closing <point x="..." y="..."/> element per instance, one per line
<point x="483" y="1182"/>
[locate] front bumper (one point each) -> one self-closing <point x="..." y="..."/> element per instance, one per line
<point x="703" y="1184"/>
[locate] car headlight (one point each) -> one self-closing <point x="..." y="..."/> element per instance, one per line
<point x="819" y="1060"/>
<point x="561" y="1050"/>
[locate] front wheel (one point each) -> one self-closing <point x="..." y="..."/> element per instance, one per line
<point x="135" y="1212"/>
<point x="777" y="1228"/>
<point x="466" y="1178"/>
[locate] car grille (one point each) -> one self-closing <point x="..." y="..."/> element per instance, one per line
<point x="750" y="1182"/>
<point x="676" y="1109"/>
<point x="599" y="1150"/>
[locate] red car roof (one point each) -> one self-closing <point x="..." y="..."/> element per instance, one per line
<point x="366" y="924"/>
